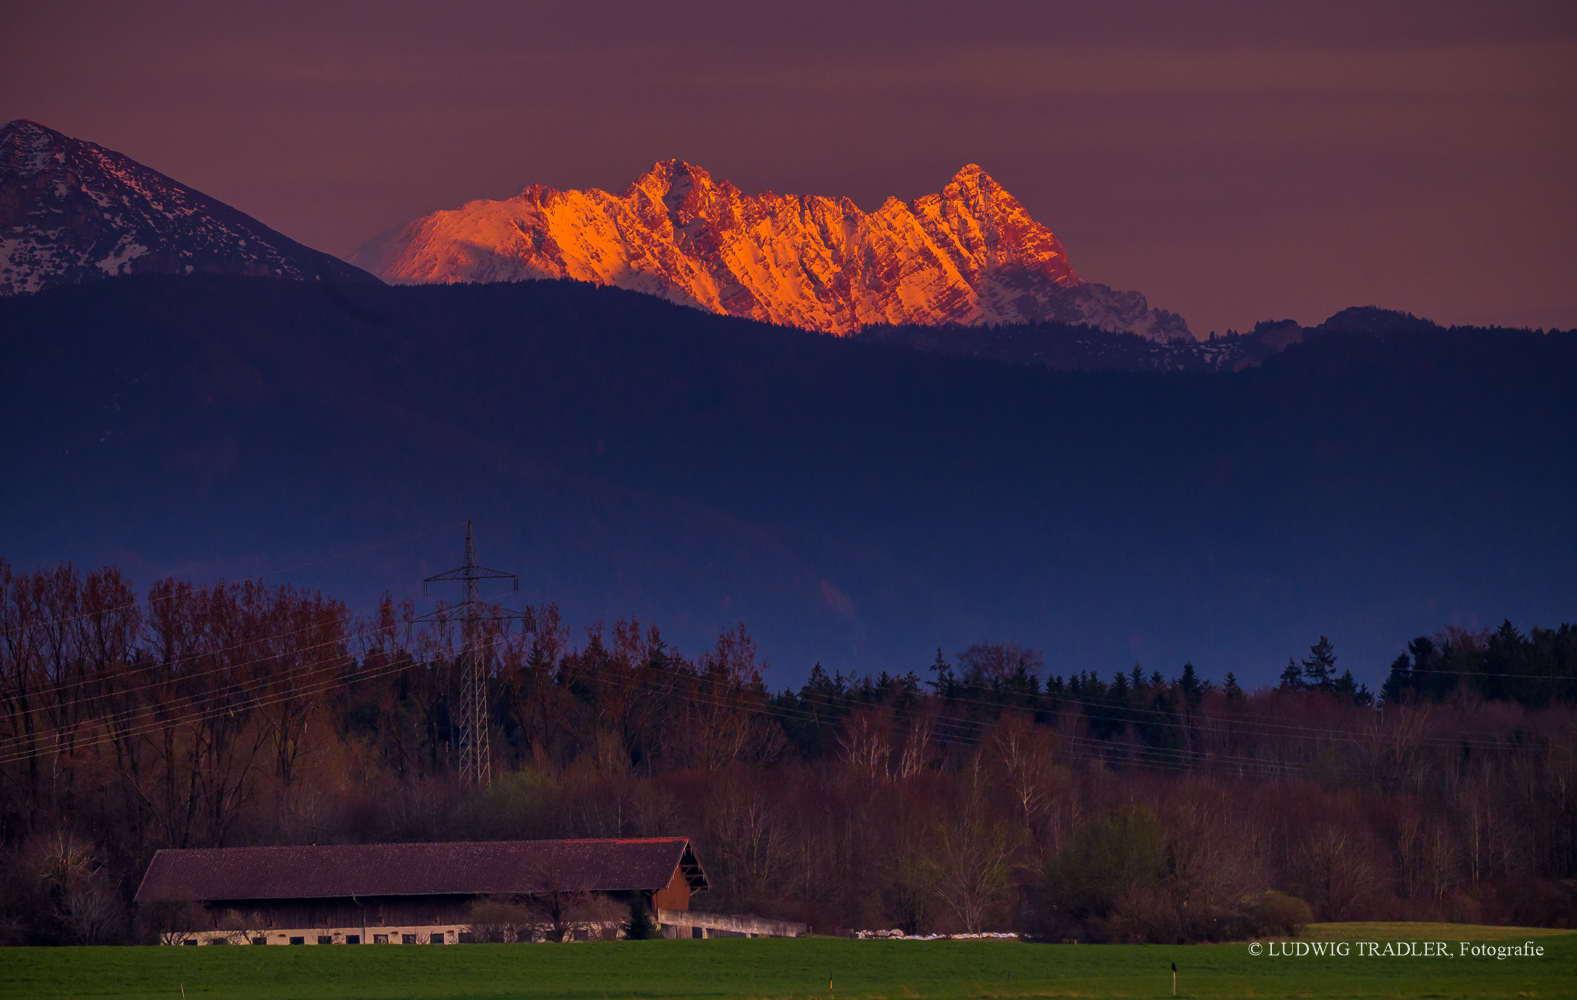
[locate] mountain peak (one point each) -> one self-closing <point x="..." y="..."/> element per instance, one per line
<point x="974" y="185"/>
<point x="970" y="254"/>
<point x="124" y="219"/>
<point x="666" y="175"/>
<point x="25" y="147"/>
<point x="26" y="127"/>
<point x="973" y="178"/>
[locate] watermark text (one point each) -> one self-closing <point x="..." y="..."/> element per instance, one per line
<point x="1395" y="949"/>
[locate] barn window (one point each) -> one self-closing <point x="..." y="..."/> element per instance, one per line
<point x="380" y="939"/>
<point x="353" y="939"/>
<point x="325" y="939"/>
<point x="260" y="940"/>
<point x="298" y="940"/>
<point x="407" y="938"/>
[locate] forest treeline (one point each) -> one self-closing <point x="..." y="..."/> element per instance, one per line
<point x="977" y="792"/>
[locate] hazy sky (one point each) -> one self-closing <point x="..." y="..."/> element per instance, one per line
<point x="1234" y="161"/>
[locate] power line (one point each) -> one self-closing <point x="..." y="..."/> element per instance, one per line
<point x="1487" y="675"/>
<point x="1231" y="726"/>
<point x="316" y="687"/>
<point x="476" y="760"/>
<point x="149" y="664"/>
<point x="320" y="685"/>
<point x="1215" y="724"/>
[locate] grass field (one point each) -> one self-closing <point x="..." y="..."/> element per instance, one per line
<point x="812" y="969"/>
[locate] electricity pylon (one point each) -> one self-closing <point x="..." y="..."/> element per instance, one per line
<point x="475" y="760"/>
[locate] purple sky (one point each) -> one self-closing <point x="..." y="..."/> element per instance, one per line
<point x="1234" y="161"/>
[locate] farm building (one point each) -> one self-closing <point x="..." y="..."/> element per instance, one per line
<point x="414" y="893"/>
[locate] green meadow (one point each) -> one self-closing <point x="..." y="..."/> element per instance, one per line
<point x="809" y="969"/>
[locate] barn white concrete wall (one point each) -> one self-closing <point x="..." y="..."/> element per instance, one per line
<point x="413" y="934"/>
<point x="685" y="923"/>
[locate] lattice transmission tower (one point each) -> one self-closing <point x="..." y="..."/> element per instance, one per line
<point x="475" y="759"/>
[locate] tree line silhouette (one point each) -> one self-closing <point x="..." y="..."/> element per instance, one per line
<point x="981" y="792"/>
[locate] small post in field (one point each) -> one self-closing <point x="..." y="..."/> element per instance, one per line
<point x="1174" y="979"/>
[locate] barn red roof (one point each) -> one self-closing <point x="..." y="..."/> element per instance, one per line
<point x="503" y="867"/>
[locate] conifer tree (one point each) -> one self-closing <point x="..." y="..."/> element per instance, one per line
<point x="945" y="685"/>
<point x="1190" y="684"/>
<point x="1120" y="687"/>
<point x="1292" y="677"/>
<point x="1398" y="681"/>
<point x="640" y="926"/>
<point x="1233" y="692"/>
<point x="1348" y="687"/>
<point x="1319" y="670"/>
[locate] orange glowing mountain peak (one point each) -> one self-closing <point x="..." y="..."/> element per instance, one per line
<point x="969" y="254"/>
<point x="667" y="175"/>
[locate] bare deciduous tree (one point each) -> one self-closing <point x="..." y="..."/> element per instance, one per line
<point x="972" y="867"/>
<point x="1335" y="868"/>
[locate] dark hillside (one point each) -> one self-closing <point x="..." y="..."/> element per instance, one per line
<point x="852" y="502"/>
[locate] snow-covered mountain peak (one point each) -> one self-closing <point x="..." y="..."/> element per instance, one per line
<point x="969" y="254"/>
<point x="73" y="211"/>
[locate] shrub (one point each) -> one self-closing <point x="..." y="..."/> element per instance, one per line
<point x="1105" y="884"/>
<point x="1279" y="912"/>
<point x="501" y="921"/>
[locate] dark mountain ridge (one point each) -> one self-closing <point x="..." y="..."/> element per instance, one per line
<point x="1080" y="347"/>
<point x="853" y="502"/>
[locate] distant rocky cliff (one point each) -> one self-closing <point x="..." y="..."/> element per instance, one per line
<point x="970" y="255"/>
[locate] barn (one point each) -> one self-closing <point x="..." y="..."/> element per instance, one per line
<point x="410" y="893"/>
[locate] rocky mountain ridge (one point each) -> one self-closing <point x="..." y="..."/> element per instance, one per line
<point x="968" y="255"/>
<point x="72" y="211"/>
